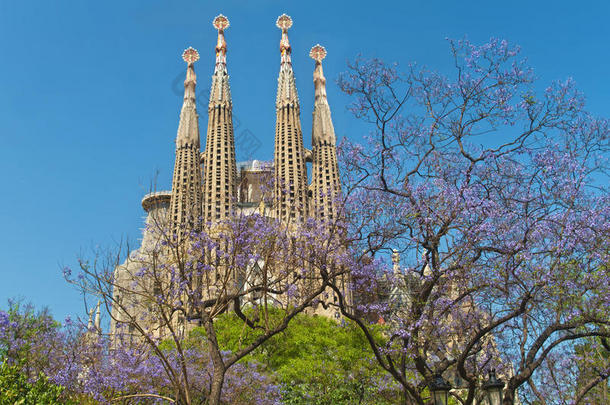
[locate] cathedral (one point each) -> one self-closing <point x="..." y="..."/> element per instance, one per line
<point x="209" y="186"/>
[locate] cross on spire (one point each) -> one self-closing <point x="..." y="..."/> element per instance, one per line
<point x="221" y="22"/>
<point x="317" y="53"/>
<point x="190" y="55"/>
<point x="284" y="22"/>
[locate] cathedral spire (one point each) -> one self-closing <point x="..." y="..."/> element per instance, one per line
<point x="287" y="89"/>
<point x="221" y="23"/>
<point x="186" y="185"/>
<point x="220" y="91"/>
<point x="284" y="22"/>
<point x="323" y="130"/>
<point x="326" y="186"/>
<point x="220" y="168"/>
<point x="291" y="200"/>
<point x="190" y="56"/>
<point x="97" y="323"/>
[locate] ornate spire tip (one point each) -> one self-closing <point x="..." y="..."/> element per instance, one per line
<point x="317" y="53"/>
<point x="190" y="55"/>
<point x="221" y="22"/>
<point x="284" y="22"/>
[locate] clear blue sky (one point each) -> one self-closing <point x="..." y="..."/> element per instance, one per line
<point x="89" y="110"/>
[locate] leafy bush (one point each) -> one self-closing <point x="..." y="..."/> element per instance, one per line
<point x="315" y="360"/>
<point x="15" y="389"/>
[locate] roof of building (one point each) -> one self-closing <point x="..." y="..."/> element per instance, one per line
<point x="255" y="165"/>
<point x="155" y="197"/>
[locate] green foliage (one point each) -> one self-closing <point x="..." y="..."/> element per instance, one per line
<point x="593" y="356"/>
<point x="316" y="360"/>
<point x="15" y="389"/>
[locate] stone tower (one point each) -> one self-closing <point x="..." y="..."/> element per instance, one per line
<point x="291" y="199"/>
<point x="325" y="186"/>
<point x="220" y="168"/>
<point x="156" y="205"/>
<point x="186" y="201"/>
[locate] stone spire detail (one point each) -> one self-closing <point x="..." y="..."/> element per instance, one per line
<point x="185" y="202"/>
<point x="291" y="200"/>
<point x="220" y="168"/>
<point x="97" y="323"/>
<point x="95" y="326"/>
<point x="326" y="185"/>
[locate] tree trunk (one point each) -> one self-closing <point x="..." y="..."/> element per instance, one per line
<point x="217" y="383"/>
<point x="509" y="397"/>
<point x="219" y="371"/>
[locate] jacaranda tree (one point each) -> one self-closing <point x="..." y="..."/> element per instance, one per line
<point x="43" y="361"/>
<point x="489" y="192"/>
<point x="247" y="265"/>
<point x="494" y="192"/>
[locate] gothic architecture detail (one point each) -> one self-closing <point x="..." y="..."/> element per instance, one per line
<point x="291" y="192"/>
<point x="220" y="168"/>
<point x="186" y="199"/>
<point x="325" y="186"/>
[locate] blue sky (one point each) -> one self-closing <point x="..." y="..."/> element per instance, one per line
<point x="89" y="98"/>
